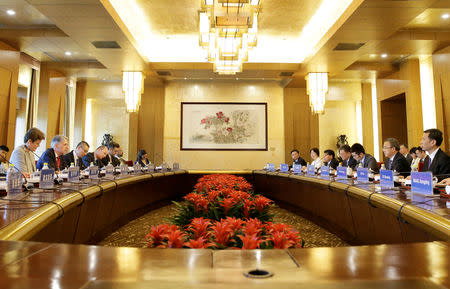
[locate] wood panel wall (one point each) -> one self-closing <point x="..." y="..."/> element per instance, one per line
<point x="150" y="123"/>
<point x="9" y="74"/>
<point x="367" y="117"/>
<point x="301" y="127"/>
<point x="441" y="74"/>
<point x="80" y="111"/>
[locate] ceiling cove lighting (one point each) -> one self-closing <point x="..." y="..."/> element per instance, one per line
<point x="133" y="87"/>
<point x="317" y="88"/>
<point x="445" y="16"/>
<point x="228" y="29"/>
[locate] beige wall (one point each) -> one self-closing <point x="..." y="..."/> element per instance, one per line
<point x="340" y="115"/>
<point x="232" y="91"/>
<point x="108" y="114"/>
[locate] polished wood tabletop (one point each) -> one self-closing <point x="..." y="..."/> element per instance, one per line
<point x="46" y="265"/>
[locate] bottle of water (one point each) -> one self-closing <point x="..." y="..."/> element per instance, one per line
<point x="93" y="171"/>
<point x="383" y="167"/>
<point x="349" y="172"/>
<point x="47" y="175"/>
<point x="13" y="181"/>
<point x="73" y="175"/>
<point x="109" y="171"/>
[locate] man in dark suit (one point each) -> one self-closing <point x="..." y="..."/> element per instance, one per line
<point x="347" y="158"/>
<point x="113" y="148"/>
<point x="76" y="155"/>
<point x="438" y="162"/>
<point x="404" y="150"/>
<point x="54" y="155"/>
<point x="329" y="159"/>
<point x="95" y="157"/>
<point x="367" y="161"/>
<point x="395" y="161"/>
<point x="297" y="159"/>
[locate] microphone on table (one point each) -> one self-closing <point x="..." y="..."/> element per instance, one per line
<point x="27" y="186"/>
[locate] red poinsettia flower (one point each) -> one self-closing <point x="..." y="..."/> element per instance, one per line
<point x="235" y="224"/>
<point x="252" y="227"/>
<point x="250" y="242"/>
<point x="281" y="240"/>
<point x="247" y="206"/>
<point x="200" y="227"/>
<point x="200" y="203"/>
<point x="175" y="239"/>
<point x="157" y="235"/>
<point x="227" y="203"/>
<point x="222" y="232"/>
<point x="262" y="203"/>
<point x="212" y="195"/>
<point x="199" y="243"/>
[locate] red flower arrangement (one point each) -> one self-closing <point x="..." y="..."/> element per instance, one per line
<point x="223" y="212"/>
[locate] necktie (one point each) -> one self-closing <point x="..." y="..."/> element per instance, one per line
<point x="79" y="162"/>
<point x="58" y="162"/>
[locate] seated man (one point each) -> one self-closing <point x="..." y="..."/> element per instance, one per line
<point x="95" y="157"/>
<point x="420" y="153"/>
<point x="347" y="158"/>
<point x="3" y="160"/>
<point x="54" y="155"/>
<point x="329" y="159"/>
<point x="297" y="159"/>
<point x="367" y="161"/>
<point x="76" y="155"/>
<point x="113" y="147"/>
<point x="119" y="156"/>
<point x="23" y="157"/>
<point x="395" y="161"/>
<point x="438" y="162"/>
<point x="404" y="150"/>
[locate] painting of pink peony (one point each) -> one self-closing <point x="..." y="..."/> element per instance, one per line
<point x="224" y="126"/>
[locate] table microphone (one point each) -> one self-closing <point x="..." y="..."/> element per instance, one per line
<point x="27" y="186"/>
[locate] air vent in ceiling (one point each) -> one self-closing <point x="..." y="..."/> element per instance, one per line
<point x="106" y="44"/>
<point x="286" y="73"/>
<point x="348" y="46"/>
<point x="163" y="73"/>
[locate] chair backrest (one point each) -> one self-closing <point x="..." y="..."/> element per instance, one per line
<point x="129" y="163"/>
<point x="379" y="164"/>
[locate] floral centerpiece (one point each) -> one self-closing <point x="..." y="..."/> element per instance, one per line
<point x="224" y="212"/>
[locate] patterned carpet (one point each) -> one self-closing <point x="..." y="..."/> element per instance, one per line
<point x="133" y="233"/>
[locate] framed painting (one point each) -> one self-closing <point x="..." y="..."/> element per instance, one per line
<point x="223" y="126"/>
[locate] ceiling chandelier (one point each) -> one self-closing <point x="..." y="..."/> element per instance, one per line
<point x="317" y="88"/>
<point x="228" y="30"/>
<point x="133" y="87"/>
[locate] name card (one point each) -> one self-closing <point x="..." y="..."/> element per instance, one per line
<point x="310" y="170"/>
<point x="93" y="172"/>
<point x="284" y="168"/>
<point x="297" y="169"/>
<point x="363" y="174"/>
<point x="342" y="172"/>
<point x="325" y="171"/>
<point x="387" y="178"/>
<point x="271" y="167"/>
<point x="46" y="180"/>
<point x="123" y="169"/>
<point x="422" y="183"/>
<point x="74" y="175"/>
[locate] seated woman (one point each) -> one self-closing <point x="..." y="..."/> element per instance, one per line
<point x="317" y="161"/>
<point x="416" y="160"/>
<point x="142" y="158"/>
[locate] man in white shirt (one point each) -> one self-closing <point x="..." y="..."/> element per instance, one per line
<point x="76" y="155"/>
<point x="438" y="162"/>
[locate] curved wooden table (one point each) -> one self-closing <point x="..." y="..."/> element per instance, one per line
<point x="360" y="214"/>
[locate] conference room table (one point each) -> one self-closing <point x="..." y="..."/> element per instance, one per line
<point x="399" y="239"/>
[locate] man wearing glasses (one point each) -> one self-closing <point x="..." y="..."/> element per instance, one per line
<point x="76" y="155"/>
<point x="395" y="161"/>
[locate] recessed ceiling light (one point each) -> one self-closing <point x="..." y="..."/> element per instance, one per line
<point x="11" y="12"/>
<point x="237" y="78"/>
<point x="445" y="16"/>
<point x="68" y="53"/>
<point x="384" y="55"/>
<point x="185" y="78"/>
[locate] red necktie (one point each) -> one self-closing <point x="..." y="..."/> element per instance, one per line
<point x="58" y="162"/>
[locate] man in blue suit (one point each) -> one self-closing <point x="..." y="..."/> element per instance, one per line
<point x="54" y="155"/>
